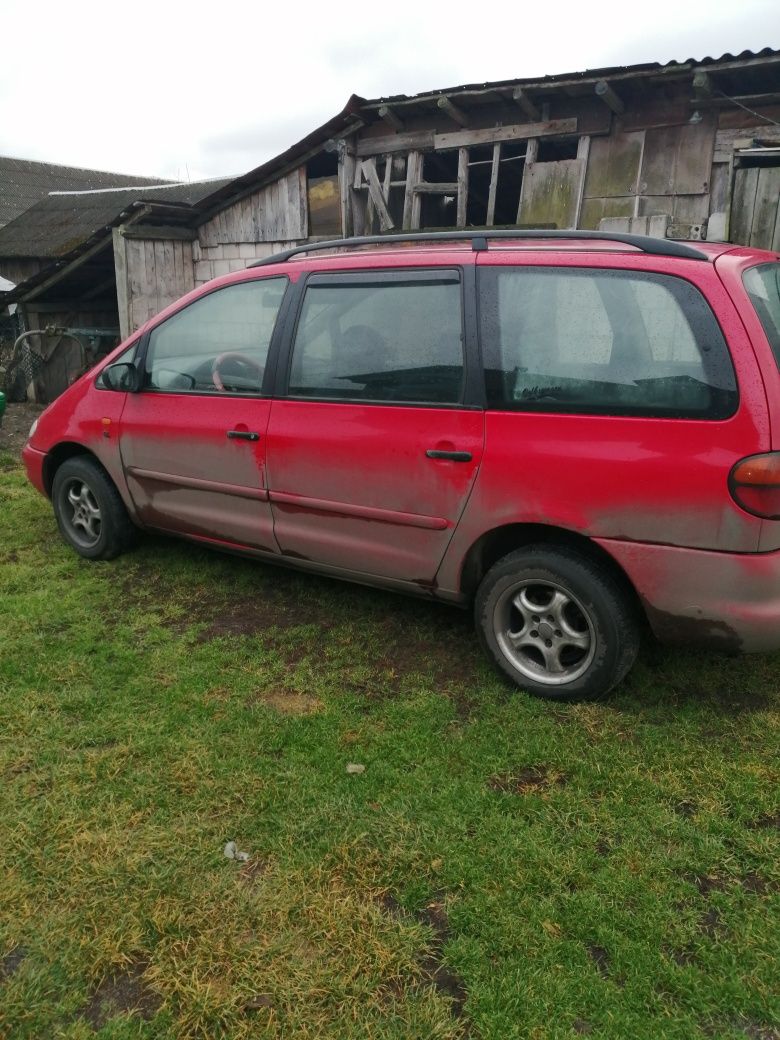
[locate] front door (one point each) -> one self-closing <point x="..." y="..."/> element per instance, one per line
<point x="193" y="439"/>
<point x="373" y="452"/>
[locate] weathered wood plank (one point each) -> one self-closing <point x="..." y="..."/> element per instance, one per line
<point x="422" y="139"/>
<point x="609" y="96"/>
<point x="677" y="159"/>
<point x="152" y="231"/>
<point x="120" y="268"/>
<point x="521" y="98"/>
<point x="463" y="186"/>
<point x="390" y="117"/>
<point x="436" y="187"/>
<point x="766" y="207"/>
<point x="494" y="169"/>
<point x="550" y="194"/>
<point x="456" y="114"/>
<point x="519" y="131"/>
<point x="375" y="194"/>
<point x="346" y="176"/>
<point x="412" y="200"/>
<point x="613" y="166"/>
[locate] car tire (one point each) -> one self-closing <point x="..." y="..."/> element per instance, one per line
<point x="90" y="513"/>
<point x="559" y="625"/>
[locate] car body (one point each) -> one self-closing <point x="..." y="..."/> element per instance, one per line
<point x="551" y="426"/>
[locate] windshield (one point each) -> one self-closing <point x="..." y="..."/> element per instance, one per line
<point x="763" y="288"/>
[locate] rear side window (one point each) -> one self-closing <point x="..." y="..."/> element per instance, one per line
<point x="394" y="337"/>
<point x="763" y="288"/>
<point x="603" y="342"/>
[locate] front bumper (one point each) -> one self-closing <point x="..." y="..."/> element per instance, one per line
<point x="731" y="600"/>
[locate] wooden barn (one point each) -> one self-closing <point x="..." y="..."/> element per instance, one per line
<point x="684" y="150"/>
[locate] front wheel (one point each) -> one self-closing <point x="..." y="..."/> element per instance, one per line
<point x="90" y="512"/>
<point x="556" y="623"/>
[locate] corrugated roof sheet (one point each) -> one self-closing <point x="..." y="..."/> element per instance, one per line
<point x="583" y="74"/>
<point x="23" y="182"/>
<point x="62" y="221"/>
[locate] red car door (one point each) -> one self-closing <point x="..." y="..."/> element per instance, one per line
<point x="373" y="452"/>
<point x="193" y="439"/>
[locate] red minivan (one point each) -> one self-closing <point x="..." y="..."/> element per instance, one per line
<point x="572" y="431"/>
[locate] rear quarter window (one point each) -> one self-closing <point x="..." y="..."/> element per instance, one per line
<point x="603" y="342"/>
<point x="763" y="287"/>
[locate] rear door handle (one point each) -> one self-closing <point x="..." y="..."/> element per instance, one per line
<point x="453" y="456"/>
<point x="242" y="435"/>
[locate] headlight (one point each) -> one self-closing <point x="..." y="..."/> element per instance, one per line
<point x="33" y="428"/>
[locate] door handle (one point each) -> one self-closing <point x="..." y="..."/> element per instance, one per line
<point x="453" y="456"/>
<point x="242" y="435"/>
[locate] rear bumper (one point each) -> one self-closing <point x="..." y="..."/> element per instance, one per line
<point x="33" y="462"/>
<point x="694" y="596"/>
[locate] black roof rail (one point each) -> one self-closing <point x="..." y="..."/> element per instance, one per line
<point x="479" y="241"/>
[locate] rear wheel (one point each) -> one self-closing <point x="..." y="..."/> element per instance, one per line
<point x="556" y="623"/>
<point x="90" y="512"/>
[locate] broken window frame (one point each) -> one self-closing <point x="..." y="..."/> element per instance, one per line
<point x="373" y="178"/>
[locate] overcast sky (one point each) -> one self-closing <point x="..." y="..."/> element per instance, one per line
<point x="190" y="90"/>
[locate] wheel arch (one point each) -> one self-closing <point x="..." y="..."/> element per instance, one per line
<point x="493" y="545"/>
<point x="61" y="453"/>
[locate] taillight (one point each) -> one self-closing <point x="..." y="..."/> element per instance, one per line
<point x="754" y="483"/>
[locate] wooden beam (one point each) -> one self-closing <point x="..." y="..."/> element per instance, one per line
<point x="67" y="269"/>
<point x="389" y="116"/>
<point x="491" y="206"/>
<point x="521" y="99"/>
<point x="456" y="114"/>
<point x="416" y="139"/>
<point x="412" y="201"/>
<point x="520" y="131"/>
<point x="158" y="231"/>
<point x="436" y="187"/>
<point x="609" y="97"/>
<point x="463" y="185"/>
<point x="702" y="84"/>
<point x="375" y="194"/>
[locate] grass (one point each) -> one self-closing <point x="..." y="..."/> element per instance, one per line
<point x="502" y="868"/>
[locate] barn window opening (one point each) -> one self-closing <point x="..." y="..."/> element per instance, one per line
<point x="510" y="181"/>
<point x="440" y="209"/>
<point x="480" y="173"/>
<point x="322" y="176"/>
<point x="553" y="149"/>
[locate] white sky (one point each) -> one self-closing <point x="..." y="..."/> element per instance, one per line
<point x="189" y="90"/>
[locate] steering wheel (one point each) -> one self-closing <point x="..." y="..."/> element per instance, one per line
<point x="246" y="367"/>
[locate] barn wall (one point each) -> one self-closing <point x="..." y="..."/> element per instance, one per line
<point x="269" y="219"/>
<point x="150" y="275"/>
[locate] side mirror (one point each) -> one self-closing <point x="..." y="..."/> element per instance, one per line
<point x="122" y="376"/>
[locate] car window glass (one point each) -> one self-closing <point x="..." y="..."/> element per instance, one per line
<point x="395" y="341"/>
<point x="219" y="343"/>
<point x="763" y="287"/>
<point x="605" y="341"/>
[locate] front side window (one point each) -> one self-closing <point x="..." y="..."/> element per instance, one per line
<point x="219" y="343"/>
<point x="604" y="342"/>
<point x="763" y="288"/>
<point x="396" y="337"/>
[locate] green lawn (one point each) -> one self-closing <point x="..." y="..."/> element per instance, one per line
<point x="501" y="868"/>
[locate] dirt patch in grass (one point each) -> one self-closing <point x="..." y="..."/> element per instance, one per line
<point x="770" y="821"/>
<point x="601" y="960"/>
<point x="12" y="962"/>
<point x="528" y="780"/>
<point x="434" y="971"/>
<point x="125" y="992"/>
<point x="16" y="425"/>
<point x="287" y="702"/>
